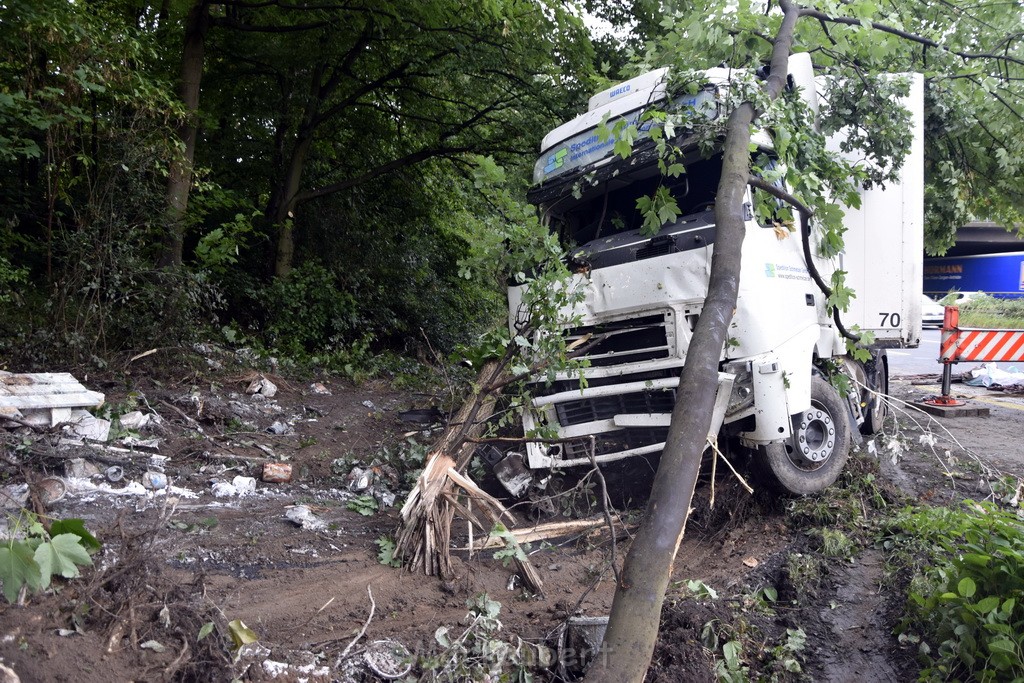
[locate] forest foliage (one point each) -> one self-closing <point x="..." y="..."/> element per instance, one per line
<point x="329" y="180"/>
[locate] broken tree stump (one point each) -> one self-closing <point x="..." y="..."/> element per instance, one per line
<point x="424" y="536"/>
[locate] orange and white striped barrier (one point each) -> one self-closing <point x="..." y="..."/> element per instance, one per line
<point x="971" y="344"/>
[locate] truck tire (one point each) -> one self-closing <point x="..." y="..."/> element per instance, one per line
<point x="877" y="406"/>
<point x="814" y="456"/>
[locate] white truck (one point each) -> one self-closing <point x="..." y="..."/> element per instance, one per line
<point x="642" y="295"/>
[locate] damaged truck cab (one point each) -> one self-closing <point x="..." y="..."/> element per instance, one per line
<point x="639" y="298"/>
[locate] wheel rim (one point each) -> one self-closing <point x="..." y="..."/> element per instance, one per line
<point x="814" y="437"/>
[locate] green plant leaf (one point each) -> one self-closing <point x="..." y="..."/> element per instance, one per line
<point x="76" y="527"/>
<point x="988" y="604"/>
<point x="205" y="630"/>
<point x="18" y="568"/>
<point x="61" y="555"/>
<point x="1002" y="645"/>
<point x="966" y="587"/>
<point x="386" y="552"/>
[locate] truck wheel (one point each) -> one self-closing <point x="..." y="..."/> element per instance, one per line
<point x="813" y="458"/>
<point x="877" y="407"/>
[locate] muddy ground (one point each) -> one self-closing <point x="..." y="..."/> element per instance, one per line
<point x="178" y="558"/>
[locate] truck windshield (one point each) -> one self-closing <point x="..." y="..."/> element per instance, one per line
<point x="611" y="208"/>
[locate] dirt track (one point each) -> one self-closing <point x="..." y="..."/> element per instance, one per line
<point x="304" y="592"/>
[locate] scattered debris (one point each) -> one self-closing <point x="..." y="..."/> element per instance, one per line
<point x="318" y="388"/>
<point x="240" y="486"/>
<point x="369" y="404"/>
<point x="304" y="517"/>
<point x="991" y="376"/>
<point x="295" y="672"/>
<point x="422" y="416"/>
<point x="360" y="479"/>
<point x="45" y="398"/>
<point x="134" y="420"/>
<point x="80" y="468"/>
<point x="389" y="659"/>
<point x="277" y="472"/>
<point x="262" y="385"/>
<point x="513" y="474"/>
<point x="154" y="481"/>
<point x="582" y="637"/>
<point x="13" y="496"/>
<point x="52" y="489"/>
<point x="280" y="428"/>
<point x="84" y="425"/>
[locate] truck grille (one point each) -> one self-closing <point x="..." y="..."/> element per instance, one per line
<point x="659" y="246"/>
<point x="625" y="341"/>
<point x="614" y="442"/>
<point x="607" y="407"/>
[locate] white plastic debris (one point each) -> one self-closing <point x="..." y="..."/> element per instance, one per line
<point x="79" y="468"/>
<point x="280" y="428"/>
<point x="990" y="374"/>
<point x="370" y="405"/>
<point x="359" y="479"/>
<point x="244" y="485"/>
<point x="85" y="426"/>
<point x="239" y="486"/>
<point x="304" y="517"/>
<point x="134" y="420"/>
<point x="318" y="388"/>
<point x="145" y="444"/>
<point x="223" y="489"/>
<point x="13" y="496"/>
<point x="154" y="481"/>
<point x="262" y="385"/>
<point x="294" y="672"/>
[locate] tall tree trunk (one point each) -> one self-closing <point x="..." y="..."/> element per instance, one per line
<point x="636" y="610"/>
<point x="283" y="211"/>
<point x="179" y="180"/>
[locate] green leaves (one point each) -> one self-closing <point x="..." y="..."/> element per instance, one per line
<point x="61" y="555"/>
<point x="658" y="209"/>
<point x="513" y="550"/>
<point x="965" y="598"/>
<point x="364" y="505"/>
<point x="386" y="552"/>
<point x="76" y="527"/>
<point x="18" y="568"/>
<point x="34" y="560"/>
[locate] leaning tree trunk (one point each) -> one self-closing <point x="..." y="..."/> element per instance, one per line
<point x="636" y="610"/>
<point x="179" y="180"/>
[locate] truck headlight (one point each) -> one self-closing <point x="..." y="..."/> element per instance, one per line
<point x="742" y="396"/>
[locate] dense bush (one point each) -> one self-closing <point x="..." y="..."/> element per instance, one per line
<point x="966" y="599"/>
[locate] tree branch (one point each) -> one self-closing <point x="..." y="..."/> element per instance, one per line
<point x="906" y="35"/>
<point x="762" y="184"/>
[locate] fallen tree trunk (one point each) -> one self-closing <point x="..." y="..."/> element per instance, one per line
<point x="424" y="536"/>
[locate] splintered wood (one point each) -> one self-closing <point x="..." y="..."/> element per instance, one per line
<point x="443" y="490"/>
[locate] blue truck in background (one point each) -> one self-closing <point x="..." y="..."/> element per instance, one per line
<point x="1000" y="275"/>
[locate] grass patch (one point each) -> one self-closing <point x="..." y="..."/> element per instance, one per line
<point x="988" y="312"/>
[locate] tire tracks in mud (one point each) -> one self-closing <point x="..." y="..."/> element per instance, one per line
<point x="859" y="644"/>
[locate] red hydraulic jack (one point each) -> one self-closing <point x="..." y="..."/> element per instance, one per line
<point x="948" y="356"/>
